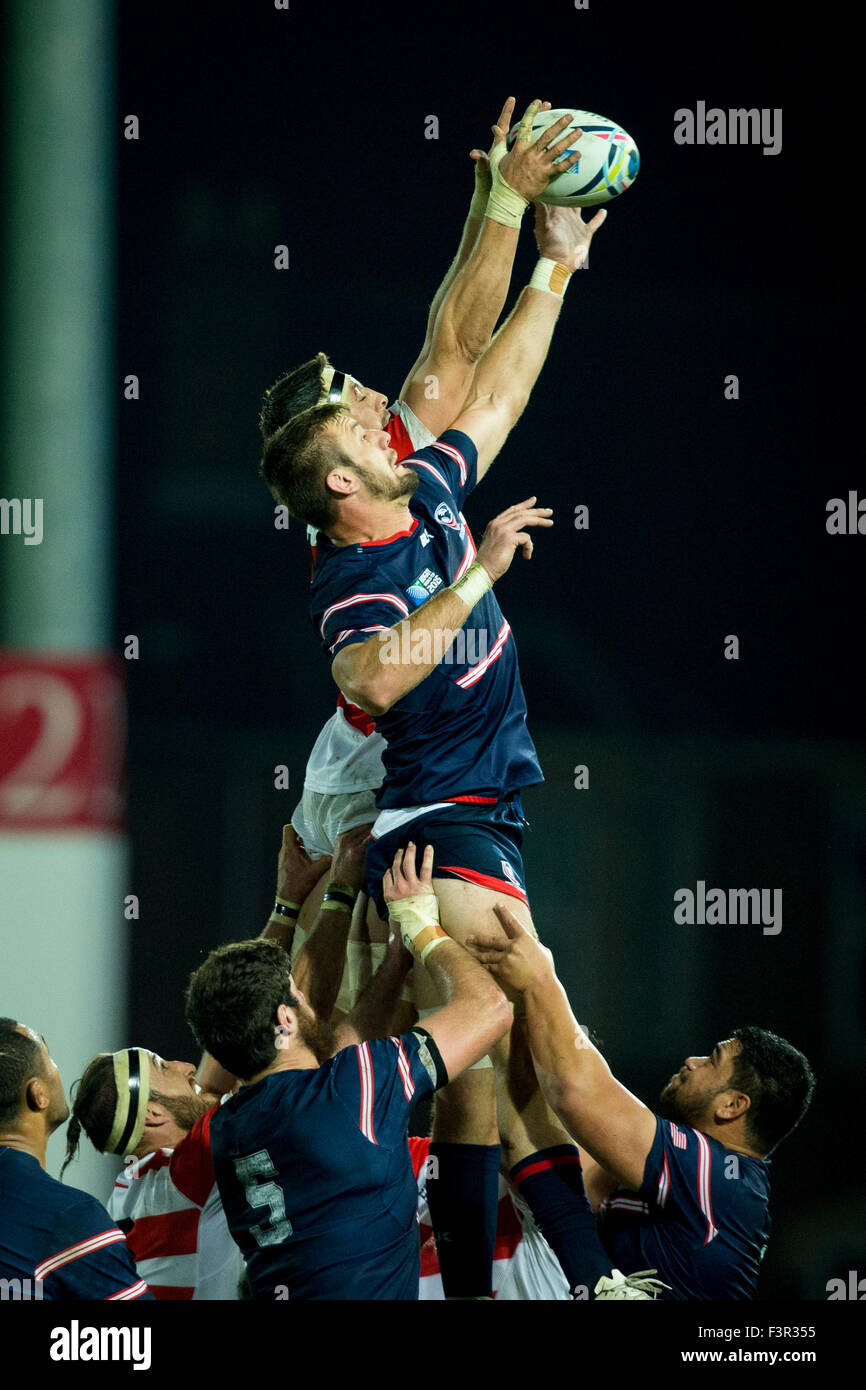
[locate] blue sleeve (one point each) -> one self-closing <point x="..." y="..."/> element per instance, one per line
<point x="448" y="468"/>
<point x="678" y="1177"/>
<point x="357" y="615"/>
<point x="380" y="1081"/>
<point x="90" y="1259"/>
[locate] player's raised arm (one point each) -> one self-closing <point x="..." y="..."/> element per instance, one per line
<point x="371" y="1014"/>
<point x="509" y="369"/>
<point x="318" y="968"/>
<point x="297" y="876"/>
<point x="473" y="1017"/>
<point x="601" y="1115"/>
<point x="375" y="674"/>
<point x="470" y="299"/>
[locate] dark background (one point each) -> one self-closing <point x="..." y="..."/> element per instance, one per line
<point x="707" y="516"/>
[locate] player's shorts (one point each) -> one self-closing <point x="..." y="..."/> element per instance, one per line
<point x="474" y="841"/>
<point x="320" y="817"/>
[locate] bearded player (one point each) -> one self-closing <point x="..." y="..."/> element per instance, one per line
<point x="345" y="768"/>
<point x="457" y="752"/>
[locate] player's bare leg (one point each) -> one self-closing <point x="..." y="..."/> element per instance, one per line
<point x="538" y="1154"/>
<point x="463" y="1194"/>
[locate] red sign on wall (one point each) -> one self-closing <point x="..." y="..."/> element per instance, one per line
<point x="62" y="740"/>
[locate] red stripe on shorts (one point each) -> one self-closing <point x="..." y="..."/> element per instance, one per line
<point x="498" y="885"/>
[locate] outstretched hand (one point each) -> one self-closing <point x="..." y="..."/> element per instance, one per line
<point x="297" y="873"/>
<point x="519" y="959"/>
<point x="349" y="854"/>
<point x="530" y="164"/>
<point x="483" y="177"/>
<point x="562" y="235"/>
<point x="506" y="532"/>
<point x="402" y="880"/>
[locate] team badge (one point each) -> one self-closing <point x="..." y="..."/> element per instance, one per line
<point x="510" y="874"/>
<point x="444" y="515"/>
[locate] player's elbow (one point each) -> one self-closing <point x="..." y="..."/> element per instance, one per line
<point x="366" y="698"/>
<point x="567" y="1101"/>
<point x="495" y="1017"/>
<point x="362" y="683"/>
<point x="468" y="348"/>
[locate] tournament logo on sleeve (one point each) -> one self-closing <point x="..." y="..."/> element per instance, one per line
<point x="424" y="586"/>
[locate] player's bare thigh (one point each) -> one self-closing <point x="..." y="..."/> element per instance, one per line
<point x="464" y="909"/>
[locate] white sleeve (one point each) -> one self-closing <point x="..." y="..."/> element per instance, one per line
<point x="220" y="1262"/>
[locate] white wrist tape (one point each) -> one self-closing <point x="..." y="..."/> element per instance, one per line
<point x="504" y="204"/>
<point x="418" y="921"/>
<point x="474" y="584"/>
<point x="550" y="276"/>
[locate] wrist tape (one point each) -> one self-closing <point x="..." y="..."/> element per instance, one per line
<point x="339" y="897"/>
<point x="284" y="909"/>
<point x="504" y="204"/>
<point x="474" y="584"/>
<point x="550" y="276"/>
<point x="418" y="921"/>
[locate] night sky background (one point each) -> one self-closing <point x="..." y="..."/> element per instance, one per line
<point x="261" y="127"/>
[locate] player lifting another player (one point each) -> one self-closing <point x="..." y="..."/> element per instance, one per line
<point x="402" y="565"/>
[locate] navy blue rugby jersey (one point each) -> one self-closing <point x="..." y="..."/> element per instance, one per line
<point x="701" y="1217"/>
<point x="462" y="730"/>
<point x="57" y="1242"/>
<point x="314" y="1172"/>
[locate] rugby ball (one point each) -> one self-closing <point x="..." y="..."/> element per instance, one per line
<point x="608" y="164"/>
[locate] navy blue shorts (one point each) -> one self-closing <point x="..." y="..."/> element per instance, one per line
<point x="479" y="843"/>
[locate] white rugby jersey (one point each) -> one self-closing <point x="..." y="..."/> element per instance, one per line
<point x="179" y="1238"/>
<point x="534" y="1272"/>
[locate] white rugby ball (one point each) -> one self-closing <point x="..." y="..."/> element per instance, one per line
<point x="608" y="164"/>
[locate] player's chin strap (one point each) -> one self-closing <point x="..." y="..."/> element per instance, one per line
<point x="132" y="1078"/>
<point x="332" y="386"/>
<point x="418" y="920"/>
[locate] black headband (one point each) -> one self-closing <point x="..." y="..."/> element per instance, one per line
<point x="134" y="1089"/>
<point x="335" y="392"/>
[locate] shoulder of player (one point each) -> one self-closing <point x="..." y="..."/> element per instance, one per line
<point x="453" y="445"/>
<point x="718" y="1161"/>
<point x="78" y="1216"/>
<point x="349" y="567"/>
<point x="63" y="1198"/>
<point x="369" y="1051"/>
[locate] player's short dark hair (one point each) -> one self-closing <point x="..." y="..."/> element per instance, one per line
<point x="94" y="1102"/>
<point x="232" y="1001"/>
<point x="296" y="391"/>
<point x="20" y="1060"/>
<point x="298" y="458"/>
<point x="778" y="1081"/>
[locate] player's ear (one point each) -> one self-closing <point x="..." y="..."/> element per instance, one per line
<point x="342" y="482"/>
<point x="734" y="1105"/>
<point x="155" y="1114"/>
<point x="36" y="1094"/>
<point x="286" y="1025"/>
